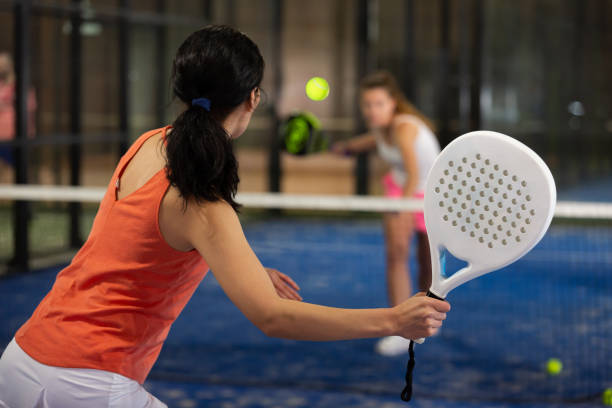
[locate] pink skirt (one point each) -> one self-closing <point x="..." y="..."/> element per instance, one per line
<point x="392" y="189"/>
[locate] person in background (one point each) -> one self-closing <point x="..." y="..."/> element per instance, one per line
<point x="7" y="115"/>
<point x="405" y="139"/>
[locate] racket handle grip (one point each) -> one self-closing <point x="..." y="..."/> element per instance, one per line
<point x="431" y="295"/>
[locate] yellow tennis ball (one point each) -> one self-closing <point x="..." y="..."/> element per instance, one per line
<point x="317" y="88"/>
<point x="554" y="366"/>
<point x="607" y="397"/>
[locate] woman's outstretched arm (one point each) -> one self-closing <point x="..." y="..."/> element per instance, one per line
<point x="357" y="144"/>
<point x="215" y="231"/>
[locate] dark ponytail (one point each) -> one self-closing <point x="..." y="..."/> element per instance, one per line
<point x="223" y="66"/>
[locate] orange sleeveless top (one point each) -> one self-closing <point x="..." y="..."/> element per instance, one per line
<point x="112" y="307"/>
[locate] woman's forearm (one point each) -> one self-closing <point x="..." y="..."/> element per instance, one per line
<point x="306" y="321"/>
<point x="361" y="143"/>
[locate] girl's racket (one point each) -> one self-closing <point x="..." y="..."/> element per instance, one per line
<point x="489" y="199"/>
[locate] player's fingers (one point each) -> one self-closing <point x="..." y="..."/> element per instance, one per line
<point x="287" y="292"/>
<point x="433" y="323"/>
<point x="282" y="292"/>
<point x="431" y="331"/>
<point x="276" y="281"/>
<point x="278" y="284"/>
<point x="272" y="271"/>
<point x="338" y="148"/>
<point x="273" y="274"/>
<point x="289" y="280"/>
<point x="437" y="315"/>
<point x="294" y="295"/>
<point x="440" y="305"/>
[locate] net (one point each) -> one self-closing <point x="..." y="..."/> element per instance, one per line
<point x="555" y="303"/>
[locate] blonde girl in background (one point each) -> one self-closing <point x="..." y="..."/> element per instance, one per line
<point x="404" y="138"/>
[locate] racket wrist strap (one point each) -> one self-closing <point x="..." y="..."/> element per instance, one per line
<point x="407" y="391"/>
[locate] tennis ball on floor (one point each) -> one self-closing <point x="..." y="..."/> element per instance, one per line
<point x="607" y="396"/>
<point x="317" y="88"/>
<point x="554" y="366"/>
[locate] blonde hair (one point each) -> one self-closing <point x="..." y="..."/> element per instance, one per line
<point x="385" y="80"/>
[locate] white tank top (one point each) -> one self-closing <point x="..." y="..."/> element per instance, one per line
<point x="426" y="149"/>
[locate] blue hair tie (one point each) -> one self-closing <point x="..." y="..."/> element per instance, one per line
<point x="203" y="102"/>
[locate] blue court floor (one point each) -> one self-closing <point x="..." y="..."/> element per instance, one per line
<point x="492" y="352"/>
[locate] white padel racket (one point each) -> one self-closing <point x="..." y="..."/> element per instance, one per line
<point x="489" y="199"/>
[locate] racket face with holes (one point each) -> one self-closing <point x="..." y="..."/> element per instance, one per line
<point x="489" y="199"/>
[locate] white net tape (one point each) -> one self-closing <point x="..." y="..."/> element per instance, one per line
<point x="564" y="209"/>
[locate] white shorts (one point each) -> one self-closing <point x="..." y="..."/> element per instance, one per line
<point x="26" y="383"/>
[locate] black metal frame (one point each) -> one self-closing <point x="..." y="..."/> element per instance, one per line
<point x="443" y="74"/>
<point x="274" y="163"/>
<point x="365" y="63"/>
<point x="124" y="70"/>
<point x="409" y="54"/>
<point x="76" y="123"/>
<point x="160" y="63"/>
<point x="22" y="65"/>
<point x="476" y="63"/>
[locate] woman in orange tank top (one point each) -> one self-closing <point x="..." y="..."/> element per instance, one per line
<point x="167" y="216"/>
